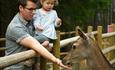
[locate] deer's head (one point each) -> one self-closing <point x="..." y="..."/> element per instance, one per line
<point x="81" y="49"/>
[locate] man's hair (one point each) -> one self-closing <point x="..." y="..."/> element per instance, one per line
<point x="23" y="3"/>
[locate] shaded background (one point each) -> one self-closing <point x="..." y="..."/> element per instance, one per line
<point x="72" y="13"/>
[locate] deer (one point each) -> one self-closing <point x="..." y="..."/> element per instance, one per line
<point x="86" y="47"/>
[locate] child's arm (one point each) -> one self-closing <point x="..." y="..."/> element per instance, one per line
<point x="37" y="24"/>
<point x="58" y="22"/>
<point x="39" y="28"/>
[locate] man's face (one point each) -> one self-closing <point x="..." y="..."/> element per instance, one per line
<point x="28" y="11"/>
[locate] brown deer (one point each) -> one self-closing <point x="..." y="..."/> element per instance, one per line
<point x="87" y="48"/>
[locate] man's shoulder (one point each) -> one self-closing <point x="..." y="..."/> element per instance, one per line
<point x="15" y="19"/>
<point x="15" y="22"/>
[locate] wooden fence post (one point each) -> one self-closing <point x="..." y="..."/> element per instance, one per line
<point x="2" y="51"/>
<point x="75" y="66"/>
<point x="99" y="36"/>
<point x="90" y="29"/>
<point x="43" y="63"/>
<point x="113" y="42"/>
<point x="76" y="32"/>
<point x="56" y="50"/>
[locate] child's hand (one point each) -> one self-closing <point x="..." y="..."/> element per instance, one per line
<point x="59" y="21"/>
<point x="39" y="28"/>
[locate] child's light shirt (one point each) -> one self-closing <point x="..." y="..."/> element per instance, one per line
<point x="48" y="21"/>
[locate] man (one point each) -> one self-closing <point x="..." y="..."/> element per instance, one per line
<point x="19" y="36"/>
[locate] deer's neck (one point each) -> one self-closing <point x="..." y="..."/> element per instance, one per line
<point x="97" y="60"/>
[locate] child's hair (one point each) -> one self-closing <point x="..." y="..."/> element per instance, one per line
<point x="55" y="1"/>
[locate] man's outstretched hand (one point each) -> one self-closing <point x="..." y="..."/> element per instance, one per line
<point x="59" y="62"/>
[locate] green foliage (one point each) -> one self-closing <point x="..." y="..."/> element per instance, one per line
<point x="80" y="12"/>
<point x="72" y="13"/>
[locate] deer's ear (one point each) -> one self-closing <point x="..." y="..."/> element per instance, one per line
<point x="82" y="34"/>
<point x="92" y="36"/>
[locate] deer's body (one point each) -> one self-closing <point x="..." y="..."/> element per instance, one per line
<point x="87" y="48"/>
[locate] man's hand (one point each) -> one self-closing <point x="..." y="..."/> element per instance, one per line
<point x="59" y="62"/>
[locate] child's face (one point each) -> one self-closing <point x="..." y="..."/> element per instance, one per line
<point x="48" y="5"/>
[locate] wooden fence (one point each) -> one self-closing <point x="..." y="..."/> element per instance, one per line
<point x="106" y="41"/>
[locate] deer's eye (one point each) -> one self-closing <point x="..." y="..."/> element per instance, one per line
<point x="73" y="47"/>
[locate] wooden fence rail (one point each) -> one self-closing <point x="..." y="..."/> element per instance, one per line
<point x="16" y="58"/>
<point x="2" y="39"/>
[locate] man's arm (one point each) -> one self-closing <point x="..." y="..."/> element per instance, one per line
<point x="32" y="43"/>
